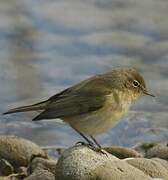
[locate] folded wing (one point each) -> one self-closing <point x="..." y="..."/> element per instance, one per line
<point x="71" y="106"/>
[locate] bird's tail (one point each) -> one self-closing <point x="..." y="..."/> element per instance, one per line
<point x="33" y="107"/>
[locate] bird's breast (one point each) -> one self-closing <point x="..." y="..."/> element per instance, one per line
<point x="100" y="121"/>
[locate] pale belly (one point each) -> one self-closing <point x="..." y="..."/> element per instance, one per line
<point x="96" y="122"/>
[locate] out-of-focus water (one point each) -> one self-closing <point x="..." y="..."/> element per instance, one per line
<point x="46" y="46"/>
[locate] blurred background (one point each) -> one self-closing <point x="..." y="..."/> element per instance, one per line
<point x="46" y="46"/>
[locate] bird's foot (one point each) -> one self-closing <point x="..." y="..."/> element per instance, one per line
<point x="101" y="151"/>
<point x="85" y="144"/>
<point x="98" y="150"/>
<point x="93" y="147"/>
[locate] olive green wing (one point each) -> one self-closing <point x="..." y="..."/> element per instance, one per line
<point x="71" y="106"/>
<point x="85" y="97"/>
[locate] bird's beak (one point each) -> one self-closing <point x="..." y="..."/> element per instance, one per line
<point x="147" y="93"/>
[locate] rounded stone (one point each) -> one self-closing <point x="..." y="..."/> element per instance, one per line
<point x="47" y="164"/>
<point x="41" y="174"/>
<point x="122" y="152"/>
<point x="18" y="151"/>
<point x="118" y="170"/>
<point x="81" y="163"/>
<point x="160" y="151"/>
<point x="149" y="167"/>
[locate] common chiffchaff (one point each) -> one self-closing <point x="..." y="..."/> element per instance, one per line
<point x="94" y="105"/>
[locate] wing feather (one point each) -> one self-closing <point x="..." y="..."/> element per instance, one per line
<point x="87" y="96"/>
<point x="71" y="106"/>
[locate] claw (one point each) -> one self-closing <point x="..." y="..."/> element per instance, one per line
<point x="80" y="143"/>
<point x="92" y="146"/>
<point x="85" y="144"/>
<point x="102" y="151"/>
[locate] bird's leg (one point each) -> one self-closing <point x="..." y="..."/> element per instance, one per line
<point x="100" y="149"/>
<point x="90" y="143"/>
<point x="95" y="141"/>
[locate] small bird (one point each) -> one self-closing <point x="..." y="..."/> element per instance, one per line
<point x="94" y="105"/>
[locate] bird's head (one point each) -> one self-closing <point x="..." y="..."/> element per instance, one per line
<point x="134" y="82"/>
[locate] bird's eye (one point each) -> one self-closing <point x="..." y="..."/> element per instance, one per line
<point x="135" y="83"/>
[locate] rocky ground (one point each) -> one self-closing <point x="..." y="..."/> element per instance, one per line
<point x="22" y="159"/>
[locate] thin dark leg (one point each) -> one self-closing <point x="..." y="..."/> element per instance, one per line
<point x="100" y="149"/>
<point x="95" y="141"/>
<point x="89" y="141"/>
